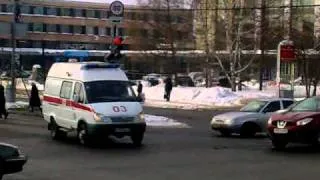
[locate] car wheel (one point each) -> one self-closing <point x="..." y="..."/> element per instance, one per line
<point x="316" y="141"/>
<point x="137" y="138"/>
<point x="1" y="169"/>
<point x="55" y="132"/>
<point x="82" y="134"/>
<point x="279" y="144"/>
<point x="225" y="133"/>
<point x="248" y="130"/>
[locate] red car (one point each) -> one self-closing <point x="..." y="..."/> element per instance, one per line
<point x="298" y="124"/>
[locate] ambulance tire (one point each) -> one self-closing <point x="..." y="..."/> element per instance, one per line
<point x="55" y="132"/>
<point x="82" y="135"/>
<point x="137" y="139"/>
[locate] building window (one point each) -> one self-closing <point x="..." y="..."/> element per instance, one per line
<point x="72" y="12"/>
<point x="59" y="12"/>
<point x="30" y="27"/>
<point x="145" y="17"/>
<point x="71" y="28"/>
<point x="9" y="7"/>
<point x="78" y="13"/>
<point x="65" y="29"/>
<point x="31" y="10"/>
<point x="84" y="13"/>
<point x="96" y="31"/>
<point x="51" y="28"/>
<point x="90" y="13"/>
<point x="65" y="12"/>
<point x="78" y="29"/>
<point x="36" y="44"/>
<point x="4" y="43"/>
<point x="45" y="11"/>
<point x="108" y="31"/>
<point x="102" y="31"/>
<point x="25" y="9"/>
<point x="83" y="30"/>
<point x="52" y="11"/>
<point x="4" y="8"/>
<point x="38" y="27"/>
<point x="97" y="14"/>
<point x="58" y="28"/>
<point x="89" y="30"/>
<point x="104" y="14"/>
<point x="44" y="28"/>
<point x="120" y="31"/>
<point x="38" y="10"/>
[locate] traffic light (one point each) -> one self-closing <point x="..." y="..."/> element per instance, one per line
<point x="116" y="48"/>
<point x="17" y="12"/>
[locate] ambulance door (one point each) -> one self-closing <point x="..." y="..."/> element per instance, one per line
<point x="65" y="113"/>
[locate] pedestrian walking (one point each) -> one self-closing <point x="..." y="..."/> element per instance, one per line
<point x="140" y="87"/>
<point x="168" y="88"/>
<point x="34" y="98"/>
<point x="3" y="110"/>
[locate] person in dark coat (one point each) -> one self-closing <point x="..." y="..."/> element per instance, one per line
<point x="139" y="89"/>
<point x="3" y="110"/>
<point x="168" y="89"/>
<point x="34" y="98"/>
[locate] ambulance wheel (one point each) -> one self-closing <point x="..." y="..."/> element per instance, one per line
<point x="137" y="139"/>
<point x="55" y="132"/>
<point x="83" y="136"/>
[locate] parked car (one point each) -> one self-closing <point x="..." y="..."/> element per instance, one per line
<point x="251" y="119"/>
<point x="184" y="80"/>
<point x="11" y="159"/>
<point x="298" y="124"/>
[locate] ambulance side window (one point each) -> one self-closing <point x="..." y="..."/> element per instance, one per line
<point x="66" y="89"/>
<point x="78" y="94"/>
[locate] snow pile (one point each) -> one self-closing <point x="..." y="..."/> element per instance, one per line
<point x="23" y="84"/>
<point x="17" y="105"/>
<point x="216" y="96"/>
<point x="194" y="97"/>
<point x="160" y="121"/>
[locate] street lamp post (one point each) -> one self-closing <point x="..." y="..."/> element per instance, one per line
<point x="11" y="89"/>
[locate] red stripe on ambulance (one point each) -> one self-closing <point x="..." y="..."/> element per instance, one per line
<point x="69" y="103"/>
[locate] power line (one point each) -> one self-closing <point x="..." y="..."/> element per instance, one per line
<point x="224" y="9"/>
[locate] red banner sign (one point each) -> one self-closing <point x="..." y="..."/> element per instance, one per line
<point x="287" y="53"/>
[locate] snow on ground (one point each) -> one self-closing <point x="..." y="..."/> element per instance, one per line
<point x="200" y="97"/>
<point x="160" y="121"/>
<point x="151" y="120"/>
<point x="17" y="105"/>
<point x="27" y="84"/>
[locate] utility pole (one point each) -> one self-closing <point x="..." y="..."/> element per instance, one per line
<point x="259" y="36"/>
<point x="288" y="19"/>
<point x="11" y="95"/>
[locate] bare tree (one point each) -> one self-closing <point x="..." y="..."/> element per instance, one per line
<point x="167" y="29"/>
<point x="233" y="19"/>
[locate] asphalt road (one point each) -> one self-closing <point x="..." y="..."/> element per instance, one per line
<point x="168" y="153"/>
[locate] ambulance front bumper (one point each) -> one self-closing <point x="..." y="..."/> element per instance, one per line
<point x="126" y="129"/>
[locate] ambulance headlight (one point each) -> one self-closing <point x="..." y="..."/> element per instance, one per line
<point x="140" y="117"/>
<point x="97" y="117"/>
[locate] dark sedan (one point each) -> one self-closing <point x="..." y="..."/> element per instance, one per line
<point x="11" y="159"/>
<point x="298" y="124"/>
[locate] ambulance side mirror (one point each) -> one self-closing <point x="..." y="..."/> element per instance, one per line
<point x="139" y="99"/>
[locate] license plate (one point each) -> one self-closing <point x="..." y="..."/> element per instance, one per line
<point x="280" y="131"/>
<point x="122" y="130"/>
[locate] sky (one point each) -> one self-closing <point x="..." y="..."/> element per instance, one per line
<point x="129" y="2"/>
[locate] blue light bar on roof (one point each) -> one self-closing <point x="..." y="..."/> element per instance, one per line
<point x="100" y="66"/>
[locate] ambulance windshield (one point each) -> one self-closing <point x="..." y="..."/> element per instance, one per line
<point x="109" y="91"/>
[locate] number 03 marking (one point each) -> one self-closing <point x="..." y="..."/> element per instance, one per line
<point x="119" y="109"/>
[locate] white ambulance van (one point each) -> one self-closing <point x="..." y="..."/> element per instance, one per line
<point x="94" y="99"/>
